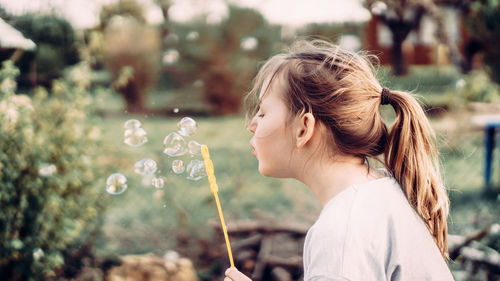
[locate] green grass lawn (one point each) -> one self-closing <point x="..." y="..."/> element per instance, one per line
<point x="434" y="84"/>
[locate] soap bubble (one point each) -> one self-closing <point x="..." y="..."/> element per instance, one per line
<point x="47" y="170"/>
<point x="249" y="43"/>
<point x="178" y="166"/>
<point x="460" y="83"/>
<point x="176" y="110"/>
<point x="187" y="126"/>
<point x="175" y="145"/>
<point x="116" y="184"/>
<point x="196" y="170"/>
<point x="194" y="147"/>
<point x="132" y="124"/>
<point x="198" y="83"/>
<point x="145" y="167"/>
<point x="170" y="57"/>
<point x="135" y="137"/>
<point x="192" y="35"/>
<point x="158" y="182"/>
<point x="171" y="38"/>
<point x="171" y="256"/>
<point x="38" y="253"/>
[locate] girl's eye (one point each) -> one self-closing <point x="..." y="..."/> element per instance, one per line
<point x="260" y="115"/>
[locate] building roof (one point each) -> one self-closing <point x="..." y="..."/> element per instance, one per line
<point x="13" y="38"/>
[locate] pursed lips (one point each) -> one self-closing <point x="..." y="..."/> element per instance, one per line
<point x="253" y="150"/>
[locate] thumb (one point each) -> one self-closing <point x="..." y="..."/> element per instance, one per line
<point x="235" y="275"/>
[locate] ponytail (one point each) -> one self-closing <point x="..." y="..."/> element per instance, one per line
<point x="411" y="155"/>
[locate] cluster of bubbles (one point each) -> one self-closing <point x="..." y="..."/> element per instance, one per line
<point x="174" y="146"/>
<point x="134" y="135"/>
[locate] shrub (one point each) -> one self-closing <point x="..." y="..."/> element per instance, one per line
<point x="483" y="23"/>
<point x="477" y="86"/>
<point x="222" y="58"/>
<point x="56" y="48"/>
<point x="131" y="45"/>
<point x="49" y="199"/>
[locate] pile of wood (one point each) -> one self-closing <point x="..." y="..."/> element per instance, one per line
<point x="477" y="261"/>
<point x="266" y="250"/>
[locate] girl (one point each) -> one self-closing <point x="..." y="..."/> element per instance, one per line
<point x="318" y="120"/>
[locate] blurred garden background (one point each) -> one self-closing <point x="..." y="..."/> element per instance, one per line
<point x="73" y="72"/>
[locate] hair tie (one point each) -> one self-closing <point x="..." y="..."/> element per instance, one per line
<point x="384" y="98"/>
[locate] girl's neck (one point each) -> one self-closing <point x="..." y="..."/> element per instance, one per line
<point x="328" y="178"/>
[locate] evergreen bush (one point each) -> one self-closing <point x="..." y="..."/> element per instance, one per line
<point x="56" y="48"/>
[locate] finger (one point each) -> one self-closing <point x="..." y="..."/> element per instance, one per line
<point x="235" y="275"/>
<point x="227" y="279"/>
<point x="228" y="271"/>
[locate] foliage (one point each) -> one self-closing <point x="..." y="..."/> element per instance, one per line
<point x="332" y="31"/>
<point x="127" y="8"/>
<point x="483" y="22"/>
<point x="221" y="59"/>
<point x="477" y="86"/>
<point x="49" y="199"/>
<point x="4" y="14"/>
<point x="132" y="46"/>
<point x="56" y="48"/>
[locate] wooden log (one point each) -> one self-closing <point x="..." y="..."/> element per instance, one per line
<point x="250" y="242"/>
<point x="244" y="255"/>
<point x="260" y="264"/>
<point x="280" y="274"/>
<point x="292" y="262"/>
<point x="455" y="250"/>
<point x="477" y="253"/>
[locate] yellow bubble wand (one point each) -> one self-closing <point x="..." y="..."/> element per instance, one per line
<point x="209" y="167"/>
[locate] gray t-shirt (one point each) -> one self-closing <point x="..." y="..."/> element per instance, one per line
<point x="370" y="232"/>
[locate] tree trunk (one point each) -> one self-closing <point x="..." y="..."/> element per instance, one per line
<point x="134" y="98"/>
<point x="399" y="65"/>
<point x="400" y="28"/>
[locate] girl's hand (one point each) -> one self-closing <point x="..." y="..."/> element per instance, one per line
<point x="232" y="274"/>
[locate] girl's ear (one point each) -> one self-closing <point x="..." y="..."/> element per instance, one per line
<point x="305" y="129"/>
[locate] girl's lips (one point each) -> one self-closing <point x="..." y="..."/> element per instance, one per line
<point x="253" y="149"/>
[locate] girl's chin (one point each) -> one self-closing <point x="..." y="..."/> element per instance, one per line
<point x="265" y="172"/>
<point x="271" y="172"/>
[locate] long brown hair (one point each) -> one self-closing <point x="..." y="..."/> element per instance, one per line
<point x="340" y="89"/>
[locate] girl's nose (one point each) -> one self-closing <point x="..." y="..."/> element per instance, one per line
<point x="251" y="127"/>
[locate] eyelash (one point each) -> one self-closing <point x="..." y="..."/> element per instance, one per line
<point x="258" y="110"/>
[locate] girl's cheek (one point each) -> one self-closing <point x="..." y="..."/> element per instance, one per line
<point x="263" y="132"/>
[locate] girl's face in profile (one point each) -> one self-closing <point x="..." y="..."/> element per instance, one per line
<point x="272" y="142"/>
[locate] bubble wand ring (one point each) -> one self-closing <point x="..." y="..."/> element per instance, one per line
<point x="209" y="167"/>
